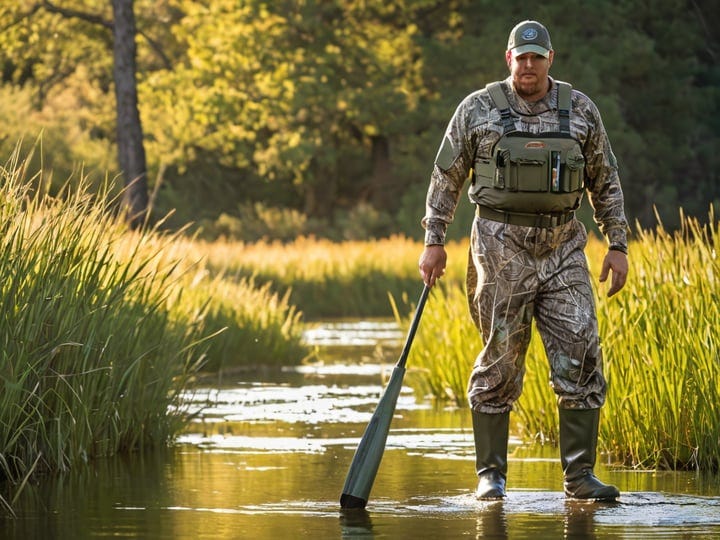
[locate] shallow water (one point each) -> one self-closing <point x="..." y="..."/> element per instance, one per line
<point x="268" y="459"/>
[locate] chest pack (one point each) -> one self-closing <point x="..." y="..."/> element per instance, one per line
<point x="530" y="173"/>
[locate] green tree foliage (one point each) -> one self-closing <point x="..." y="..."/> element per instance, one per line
<point x="299" y="94"/>
<point x="43" y="63"/>
<point x="321" y="106"/>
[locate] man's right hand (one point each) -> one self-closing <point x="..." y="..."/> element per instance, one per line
<point x="432" y="263"/>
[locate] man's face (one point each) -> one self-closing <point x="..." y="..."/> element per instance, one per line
<point x="530" y="74"/>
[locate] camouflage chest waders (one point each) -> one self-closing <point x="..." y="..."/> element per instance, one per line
<point x="526" y="263"/>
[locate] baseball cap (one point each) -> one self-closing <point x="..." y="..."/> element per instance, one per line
<point x="529" y="36"/>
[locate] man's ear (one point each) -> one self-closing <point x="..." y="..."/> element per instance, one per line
<point x="550" y="58"/>
<point x="508" y="58"/>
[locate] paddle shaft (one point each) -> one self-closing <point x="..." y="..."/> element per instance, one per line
<point x="368" y="455"/>
<point x="413" y="327"/>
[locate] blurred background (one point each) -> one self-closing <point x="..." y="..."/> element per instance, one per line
<point x="273" y="120"/>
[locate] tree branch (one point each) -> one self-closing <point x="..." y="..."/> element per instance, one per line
<point x="34" y="9"/>
<point x="74" y="14"/>
<point x="155" y="46"/>
<point x="97" y="19"/>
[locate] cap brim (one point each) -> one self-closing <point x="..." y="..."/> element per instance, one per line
<point x="522" y="49"/>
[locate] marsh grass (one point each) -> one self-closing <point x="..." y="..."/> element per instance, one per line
<point x="90" y="360"/>
<point x="328" y="279"/>
<point x="103" y="329"/>
<point x="660" y="344"/>
<point x="256" y="326"/>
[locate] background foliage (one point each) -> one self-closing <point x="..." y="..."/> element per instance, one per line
<point x="273" y="119"/>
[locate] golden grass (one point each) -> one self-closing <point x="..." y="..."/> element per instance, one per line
<point x="661" y="347"/>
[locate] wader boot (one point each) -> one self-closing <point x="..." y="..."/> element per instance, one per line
<point x="491" y="442"/>
<point x="578" y="445"/>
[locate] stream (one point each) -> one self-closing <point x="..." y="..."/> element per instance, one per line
<point x="267" y="456"/>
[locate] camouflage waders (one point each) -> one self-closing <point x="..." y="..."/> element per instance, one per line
<point x="519" y="273"/>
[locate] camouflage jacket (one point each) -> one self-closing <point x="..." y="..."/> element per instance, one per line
<point x="476" y="127"/>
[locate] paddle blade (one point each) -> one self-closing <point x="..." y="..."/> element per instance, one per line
<point x="368" y="455"/>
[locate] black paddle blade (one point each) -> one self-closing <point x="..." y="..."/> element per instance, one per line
<point x="368" y="455"/>
<point x="350" y="501"/>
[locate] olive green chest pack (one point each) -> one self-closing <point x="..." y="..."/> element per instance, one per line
<point x="531" y="173"/>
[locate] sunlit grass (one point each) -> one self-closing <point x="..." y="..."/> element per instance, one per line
<point x="103" y="329"/>
<point x="91" y="360"/>
<point x="327" y="279"/>
<point x="663" y="353"/>
<point x="660" y="344"/>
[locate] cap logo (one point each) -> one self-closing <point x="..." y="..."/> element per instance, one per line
<point x="535" y="144"/>
<point x="529" y="34"/>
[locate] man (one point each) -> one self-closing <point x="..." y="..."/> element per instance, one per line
<point x="534" y="146"/>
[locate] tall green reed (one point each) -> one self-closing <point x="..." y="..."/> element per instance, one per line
<point x="91" y="361"/>
<point x="661" y="353"/>
<point x="104" y="329"/>
<point x="662" y="349"/>
<point x="255" y="326"/>
<point x="445" y="345"/>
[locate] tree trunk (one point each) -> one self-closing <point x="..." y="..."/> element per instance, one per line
<point x="382" y="188"/>
<point x="131" y="152"/>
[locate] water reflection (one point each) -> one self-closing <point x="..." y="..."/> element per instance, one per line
<point x="579" y="518"/>
<point x="491" y="521"/>
<point x="266" y="459"/>
<point x="353" y="334"/>
<point x="356" y="523"/>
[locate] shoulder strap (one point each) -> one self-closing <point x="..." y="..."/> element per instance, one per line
<point x="501" y="102"/>
<point x="564" y="105"/>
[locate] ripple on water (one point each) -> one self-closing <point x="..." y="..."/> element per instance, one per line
<point x="310" y="404"/>
<point x="353" y="334"/>
<point x="642" y="509"/>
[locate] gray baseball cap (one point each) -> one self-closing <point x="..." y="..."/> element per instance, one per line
<point x="529" y="36"/>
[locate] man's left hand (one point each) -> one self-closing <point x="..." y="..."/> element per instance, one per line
<point x="617" y="262"/>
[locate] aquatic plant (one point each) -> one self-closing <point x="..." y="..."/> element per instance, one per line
<point x="328" y="279"/>
<point x="104" y="328"/>
<point x="91" y="359"/>
<point x="661" y="353"/>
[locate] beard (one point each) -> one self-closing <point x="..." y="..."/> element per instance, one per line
<point x="531" y="87"/>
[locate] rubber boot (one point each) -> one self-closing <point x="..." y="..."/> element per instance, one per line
<point x="578" y="447"/>
<point x="491" y="442"/>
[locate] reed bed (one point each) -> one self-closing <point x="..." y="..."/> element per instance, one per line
<point x="104" y="329"/>
<point x="256" y="326"/>
<point x="660" y="341"/>
<point x="90" y="360"/>
<point x="327" y="279"/>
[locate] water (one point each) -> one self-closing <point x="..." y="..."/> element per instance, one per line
<point x="268" y="459"/>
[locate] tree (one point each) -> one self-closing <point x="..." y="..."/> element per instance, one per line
<point x="324" y="105"/>
<point x="307" y="96"/>
<point x="131" y="151"/>
<point x="36" y="64"/>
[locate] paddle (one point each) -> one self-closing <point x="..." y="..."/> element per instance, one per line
<point x="368" y="455"/>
